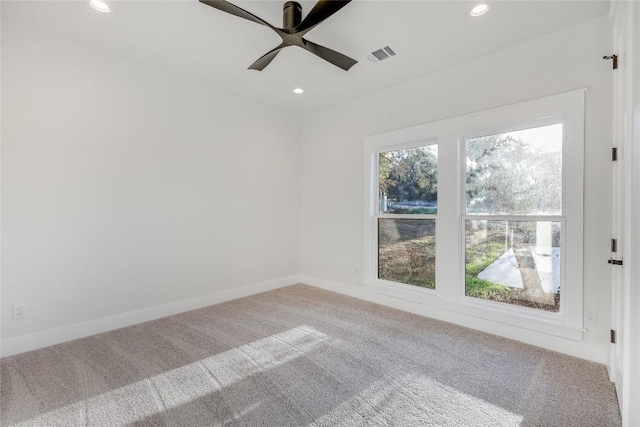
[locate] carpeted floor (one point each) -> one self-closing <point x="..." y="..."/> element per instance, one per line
<point x="302" y="356"/>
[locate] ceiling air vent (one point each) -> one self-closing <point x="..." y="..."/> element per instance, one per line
<point x="380" y="54"/>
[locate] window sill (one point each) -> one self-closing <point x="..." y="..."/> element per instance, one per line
<point x="546" y="323"/>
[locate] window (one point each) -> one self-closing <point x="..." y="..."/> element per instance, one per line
<point x="407" y="183"/>
<point x="484" y="216"/>
<point x="510" y="175"/>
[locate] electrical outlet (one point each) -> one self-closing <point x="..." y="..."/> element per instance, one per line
<point x="590" y="316"/>
<point x="19" y="311"/>
<point x="357" y="273"/>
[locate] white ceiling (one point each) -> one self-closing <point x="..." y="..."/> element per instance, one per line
<point x="189" y="39"/>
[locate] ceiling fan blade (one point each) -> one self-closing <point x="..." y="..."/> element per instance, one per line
<point x="336" y="58"/>
<point x="237" y="11"/>
<point x="321" y="11"/>
<point x="266" y="59"/>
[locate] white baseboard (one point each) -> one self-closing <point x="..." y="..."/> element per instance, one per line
<point x="581" y="350"/>
<point x="12" y="346"/>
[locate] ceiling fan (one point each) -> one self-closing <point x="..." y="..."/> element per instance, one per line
<point x="293" y="30"/>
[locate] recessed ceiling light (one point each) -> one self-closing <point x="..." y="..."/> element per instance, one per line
<point x="298" y="91"/>
<point x="100" y="6"/>
<point x="480" y="9"/>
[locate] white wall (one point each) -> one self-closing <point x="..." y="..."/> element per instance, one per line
<point x="125" y="188"/>
<point x="332" y="161"/>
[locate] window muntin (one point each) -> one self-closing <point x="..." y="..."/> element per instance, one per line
<point x="407" y="182"/>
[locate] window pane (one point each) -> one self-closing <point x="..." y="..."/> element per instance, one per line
<point x="514" y="262"/>
<point x="407" y="251"/>
<point x="408" y="180"/>
<point x="517" y="173"/>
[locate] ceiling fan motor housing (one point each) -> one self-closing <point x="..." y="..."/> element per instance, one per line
<point x="291" y="15"/>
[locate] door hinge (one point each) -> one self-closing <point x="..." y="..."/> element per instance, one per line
<point x="615" y="261"/>
<point x="614" y="245"/>
<point x="614" y="154"/>
<point x="615" y="60"/>
<point x="613" y="337"/>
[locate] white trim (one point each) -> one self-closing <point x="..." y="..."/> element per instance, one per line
<point x="38" y="340"/>
<point x="429" y="131"/>
<point x="551" y="324"/>
<point x="567" y="108"/>
<point x="406" y="216"/>
<point x="533" y="218"/>
<point x="631" y="414"/>
<point x="624" y="368"/>
<point x="573" y="348"/>
<point x="405" y="145"/>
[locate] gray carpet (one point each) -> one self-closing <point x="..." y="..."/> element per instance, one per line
<point x="302" y="356"/>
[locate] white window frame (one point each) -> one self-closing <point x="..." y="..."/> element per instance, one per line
<point x="450" y="135"/>
<point x="561" y="218"/>
<point x="378" y="215"/>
